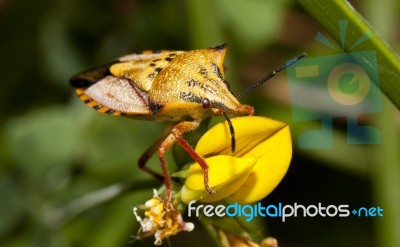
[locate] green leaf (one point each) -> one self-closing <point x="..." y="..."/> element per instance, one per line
<point x="13" y="207"/>
<point x="41" y="141"/>
<point x="388" y="60"/>
<point x="257" y="22"/>
<point x="268" y="15"/>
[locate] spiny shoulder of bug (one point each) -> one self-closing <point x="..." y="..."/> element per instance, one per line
<point x="172" y="79"/>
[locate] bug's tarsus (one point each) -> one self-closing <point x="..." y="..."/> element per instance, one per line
<point x="272" y="74"/>
<point x="232" y="131"/>
<point x="177" y="131"/>
<point x="167" y="178"/>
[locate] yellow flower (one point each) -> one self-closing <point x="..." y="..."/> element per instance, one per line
<point x="262" y="157"/>
<point x="160" y="222"/>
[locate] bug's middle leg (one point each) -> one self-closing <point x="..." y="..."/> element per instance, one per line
<point x="150" y="151"/>
<point x="176" y="135"/>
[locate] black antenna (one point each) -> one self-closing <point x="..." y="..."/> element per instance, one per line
<point x="254" y="86"/>
<point x="232" y="130"/>
<point x="272" y="74"/>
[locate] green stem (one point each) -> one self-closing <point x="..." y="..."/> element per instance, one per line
<point x="59" y="217"/>
<point x="385" y="165"/>
<point x="329" y="12"/>
<point x="385" y="171"/>
<point x="385" y="160"/>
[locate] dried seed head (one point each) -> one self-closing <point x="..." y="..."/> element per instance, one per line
<point x="160" y="222"/>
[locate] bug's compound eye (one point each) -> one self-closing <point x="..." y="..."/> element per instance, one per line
<point x="206" y="103"/>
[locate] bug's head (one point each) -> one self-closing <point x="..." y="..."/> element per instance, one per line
<point x="226" y="100"/>
<point x="216" y="91"/>
<point x="222" y="101"/>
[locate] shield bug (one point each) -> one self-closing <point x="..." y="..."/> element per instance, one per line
<point x="182" y="87"/>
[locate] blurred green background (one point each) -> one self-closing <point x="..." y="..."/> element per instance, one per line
<point x="54" y="149"/>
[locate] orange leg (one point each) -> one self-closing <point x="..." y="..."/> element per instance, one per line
<point x="176" y="135"/>
<point x="150" y="151"/>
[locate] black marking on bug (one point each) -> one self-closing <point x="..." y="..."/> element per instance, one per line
<point x="110" y="111"/>
<point x="193" y="83"/>
<point x="152" y="64"/>
<point x="155" y="107"/>
<point x="168" y="59"/>
<point x="158" y="69"/>
<point x="228" y="85"/>
<point x="151" y="75"/>
<point x="220" y="106"/>
<point x="220" y="47"/>
<point x="207" y="88"/>
<point x="217" y="71"/>
<point x="91" y="76"/>
<point x="156" y="60"/>
<point x="190" y="97"/>
<point x="97" y="107"/>
<point x="203" y="72"/>
<point x="172" y="55"/>
<point x="87" y="101"/>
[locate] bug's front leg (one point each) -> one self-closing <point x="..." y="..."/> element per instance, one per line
<point x="176" y="135"/>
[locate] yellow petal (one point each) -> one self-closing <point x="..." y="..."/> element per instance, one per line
<point x="249" y="132"/>
<point x="226" y="175"/>
<point x="264" y="139"/>
<point x="273" y="159"/>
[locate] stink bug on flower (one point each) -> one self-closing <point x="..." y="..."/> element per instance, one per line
<point x="182" y="87"/>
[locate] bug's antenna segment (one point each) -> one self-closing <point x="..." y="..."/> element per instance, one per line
<point x="272" y="74"/>
<point x="232" y="130"/>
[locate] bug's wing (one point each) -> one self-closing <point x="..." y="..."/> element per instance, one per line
<point x="116" y="96"/>
<point x="91" y="76"/>
<point x="122" y="87"/>
<point x="125" y="66"/>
